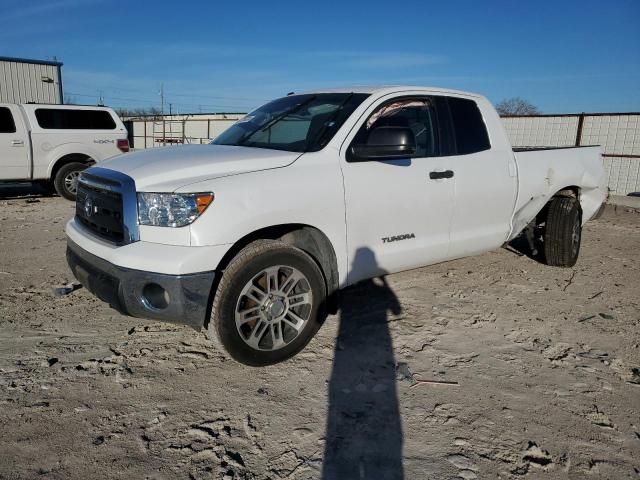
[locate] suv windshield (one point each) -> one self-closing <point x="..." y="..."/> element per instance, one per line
<point x="297" y="123"/>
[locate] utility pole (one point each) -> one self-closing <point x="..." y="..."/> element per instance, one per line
<point x="162" y="98"/>
<point x="170" y="109"/>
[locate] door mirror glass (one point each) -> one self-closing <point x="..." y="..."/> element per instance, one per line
<point x="384" y="143"/>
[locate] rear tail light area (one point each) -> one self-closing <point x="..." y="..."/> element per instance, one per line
<point x="123" y="145"/>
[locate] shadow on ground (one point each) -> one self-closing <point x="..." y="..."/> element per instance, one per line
<point x="364" y="432"/>
<point x="520" y="246"/>
<point x="15" y="191"/>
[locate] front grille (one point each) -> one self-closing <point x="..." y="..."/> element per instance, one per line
<point x="100" y="210"/>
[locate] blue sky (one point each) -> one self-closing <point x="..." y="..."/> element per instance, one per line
<point x="563" y="56"/>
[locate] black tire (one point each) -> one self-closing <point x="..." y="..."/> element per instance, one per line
<point x="65" y="180"/>
<point x="563" y="232"/>
<point x="249" y="263"/>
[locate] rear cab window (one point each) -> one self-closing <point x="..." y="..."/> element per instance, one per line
<point x="7" y="124"/>
<point x="462" y="126"/>
<point x="64" y="119"/>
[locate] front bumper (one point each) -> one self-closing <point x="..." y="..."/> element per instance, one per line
<point x="172" y="298"/>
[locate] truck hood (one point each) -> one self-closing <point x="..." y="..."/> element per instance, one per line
<point x="169" y="168"/>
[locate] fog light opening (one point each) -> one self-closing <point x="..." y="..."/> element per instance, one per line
<point x="156" y="297"/>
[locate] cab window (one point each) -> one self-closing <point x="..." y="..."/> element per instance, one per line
<point x="64" y="119"/>
<point x="7" y="125"/>
<point x="464" y="131"/>
<point x="418" y="114"/>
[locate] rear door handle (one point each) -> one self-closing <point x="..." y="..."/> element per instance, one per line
<point x="439" y="175"/>
<point x="17" y="143"/>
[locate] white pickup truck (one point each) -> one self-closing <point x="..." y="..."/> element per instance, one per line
<point x="252" y="237"/>
<point x="52" y="144"/>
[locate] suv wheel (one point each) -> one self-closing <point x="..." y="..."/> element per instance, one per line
<point x="66" y="179"/>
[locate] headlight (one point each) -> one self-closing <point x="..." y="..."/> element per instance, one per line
<point x="171" y="209"/>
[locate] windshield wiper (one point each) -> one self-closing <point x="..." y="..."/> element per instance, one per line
<point x="275" y="119"/>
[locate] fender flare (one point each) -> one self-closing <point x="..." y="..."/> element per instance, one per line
<point x="307" y="238"/>
<point x="68" y="151"/>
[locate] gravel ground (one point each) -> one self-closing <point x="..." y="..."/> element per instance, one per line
<point x="487" y="367"/>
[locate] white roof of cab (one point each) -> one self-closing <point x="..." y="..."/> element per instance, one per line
<point x="385" y="89"/>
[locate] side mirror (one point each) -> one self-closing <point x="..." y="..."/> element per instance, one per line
<point x="386" y="143"/>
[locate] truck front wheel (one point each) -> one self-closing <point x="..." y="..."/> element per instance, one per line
<point x="563" y="232"/>
<point x="269" y="304"/>
<point x="66" y="179"/>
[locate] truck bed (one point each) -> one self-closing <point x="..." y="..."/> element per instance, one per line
<point x="544" y="171"/>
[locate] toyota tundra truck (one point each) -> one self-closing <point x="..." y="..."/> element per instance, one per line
<point x="51" y="144"/>
<point x="251" y="237"/>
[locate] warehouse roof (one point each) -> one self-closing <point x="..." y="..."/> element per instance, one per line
<point x="27" y="60"/>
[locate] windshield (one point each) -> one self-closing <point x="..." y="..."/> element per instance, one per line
<point x="297" y="123"/>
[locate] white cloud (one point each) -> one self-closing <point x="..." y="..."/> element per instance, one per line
<point x="41" y="8"/>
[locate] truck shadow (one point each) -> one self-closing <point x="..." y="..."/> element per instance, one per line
<point x="18" y="191"/>
<point x="364" y="432"/>
<point x="520" y="246"/>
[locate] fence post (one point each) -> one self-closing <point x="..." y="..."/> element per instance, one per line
<point x="208" y="129"/>
<point x="579" y="132"/>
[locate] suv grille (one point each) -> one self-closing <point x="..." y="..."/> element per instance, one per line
<point x="100" y="210"/>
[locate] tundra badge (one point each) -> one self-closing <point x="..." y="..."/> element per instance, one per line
<point x="395" y="238"/>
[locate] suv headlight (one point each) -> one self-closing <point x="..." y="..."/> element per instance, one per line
<point x="171" y="209"/>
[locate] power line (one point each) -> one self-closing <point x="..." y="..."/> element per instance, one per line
<point x="215" y="96"/>
<point x="115" y="98"/>
<point x="170" y="94"/>
<point x="154" y="101"/>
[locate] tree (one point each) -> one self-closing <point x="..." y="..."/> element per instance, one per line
<point x="516" y="106"/>
<point x="150" y="113"/>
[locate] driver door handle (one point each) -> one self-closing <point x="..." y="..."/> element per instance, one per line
<point x="17" y="143"/>
<point x="439" y="175"/>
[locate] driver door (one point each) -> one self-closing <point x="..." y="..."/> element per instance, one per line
<point x="398" y="212"/>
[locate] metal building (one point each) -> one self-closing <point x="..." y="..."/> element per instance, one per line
<point x="23" y="81"/>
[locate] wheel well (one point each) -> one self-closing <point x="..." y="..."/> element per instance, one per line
<point x="308" y="239"/>
<point x="70" y="158"/>
<point x="570" y="191"/>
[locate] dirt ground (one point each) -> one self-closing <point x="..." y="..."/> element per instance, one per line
<point x="544" y="365"/>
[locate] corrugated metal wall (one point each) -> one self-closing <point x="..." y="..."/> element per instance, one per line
<point x="22" y="82"/>
<point x="618" y="133"/>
